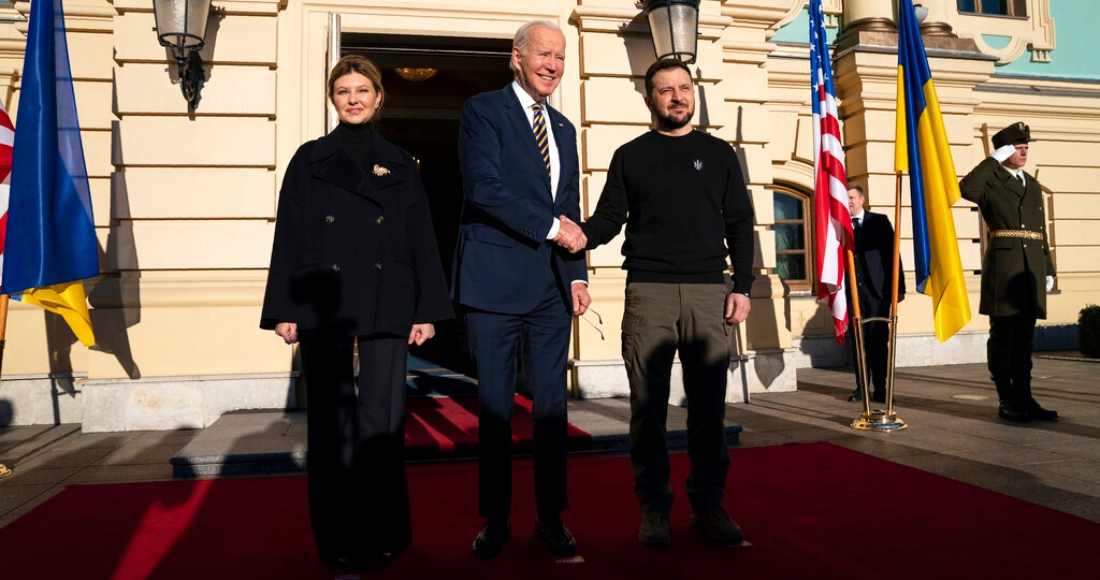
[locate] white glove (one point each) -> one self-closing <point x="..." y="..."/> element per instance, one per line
<point x="1050" y="283"/>
<point x="1003" y="152"/>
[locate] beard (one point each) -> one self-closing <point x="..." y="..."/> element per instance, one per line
<point x="667" y="122"/>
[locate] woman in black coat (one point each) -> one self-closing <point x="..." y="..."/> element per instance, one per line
<point x="355" y="261"/>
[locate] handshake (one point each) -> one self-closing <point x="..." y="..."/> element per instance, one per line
<point x="570" y="236"/>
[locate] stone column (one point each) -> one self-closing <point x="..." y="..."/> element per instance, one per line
<point x="867" y="15"/>
<point x="936" y="22"/>
<point x="764" y="341"/>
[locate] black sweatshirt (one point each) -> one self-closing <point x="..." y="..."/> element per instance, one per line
<point x="680" y="198"/>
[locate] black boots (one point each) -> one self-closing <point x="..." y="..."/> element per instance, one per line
<point x="1017" y="404"/>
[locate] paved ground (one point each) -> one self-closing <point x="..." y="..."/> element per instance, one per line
<point x="951" y="413"/>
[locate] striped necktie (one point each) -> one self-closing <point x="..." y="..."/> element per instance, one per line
<point x="538" y="127"/>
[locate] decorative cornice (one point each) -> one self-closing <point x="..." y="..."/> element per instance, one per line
<point x="606" y="19"/>
<point x="253" y="7"/>
<point x="877" y="40"/>
<point x="78" y="17"/>
<point x="771" y="15"/>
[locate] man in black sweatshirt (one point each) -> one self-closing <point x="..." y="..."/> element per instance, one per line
<point x="683" y="199"/>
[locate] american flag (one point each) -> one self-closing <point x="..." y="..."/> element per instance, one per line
<point x="832" y="220"/>
<point x="7" y="138"/>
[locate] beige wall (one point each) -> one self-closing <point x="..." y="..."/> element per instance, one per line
<point x="185" y="202"/>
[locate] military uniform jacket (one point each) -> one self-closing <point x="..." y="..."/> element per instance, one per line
<point x="1014" y="270"/>
<point x="354" y="250"/>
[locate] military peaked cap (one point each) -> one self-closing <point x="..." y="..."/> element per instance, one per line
<point x="1014" y="133"/>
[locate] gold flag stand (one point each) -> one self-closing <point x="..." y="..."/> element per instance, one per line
<point x="878" y="419"/>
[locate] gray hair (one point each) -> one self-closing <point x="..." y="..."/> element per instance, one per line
<point x="520" y="40"/>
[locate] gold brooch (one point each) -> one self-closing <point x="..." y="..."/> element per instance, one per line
<point x="380" y="171"/>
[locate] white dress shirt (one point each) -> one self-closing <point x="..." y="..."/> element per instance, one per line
<point x="527" y="102"/>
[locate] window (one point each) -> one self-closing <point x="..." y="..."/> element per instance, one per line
<point x="793" y="252"/>
<point x="993" y="7"/>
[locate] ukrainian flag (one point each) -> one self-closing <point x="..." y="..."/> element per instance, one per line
<point x="921" y="150"/>
<point x="50" y="245"/>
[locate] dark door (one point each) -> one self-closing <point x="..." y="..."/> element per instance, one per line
<point x="426" y="81"/>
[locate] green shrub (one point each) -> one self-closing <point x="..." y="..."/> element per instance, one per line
<point x="1088" y="330"/>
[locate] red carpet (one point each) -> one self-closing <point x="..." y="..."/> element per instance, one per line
<point x="447" y="427"/>
<point x="814" y="511"/>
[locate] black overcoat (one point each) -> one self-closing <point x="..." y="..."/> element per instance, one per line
<point x="874" y="266"/>
<point x="1014" y="270"/>
<point x="354" y="251"/>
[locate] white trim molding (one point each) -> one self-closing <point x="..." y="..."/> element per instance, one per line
<point x="1035" y="33"/>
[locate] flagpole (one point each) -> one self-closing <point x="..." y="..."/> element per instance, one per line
<point x="892" y="344"/>
<point x="3" y="328"/>
<point x="857" y="328"/>
<point x="4" y="471"/>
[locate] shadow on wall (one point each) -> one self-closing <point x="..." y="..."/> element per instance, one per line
<point x="115" y="303"/>
<point x="702" y="111"/>
<point x="114" y="298"/>
<point x="818" y="339"/>
<point x="59" y="342"/>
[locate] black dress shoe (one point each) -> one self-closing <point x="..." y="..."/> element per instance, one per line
<point x="490" y="540"/>
<point x="345" y="563"/>
<point x="856" y="396"/>
<point x="377" y="560"/>
<point x="1010" y="413"/>
<point x="556" y="537"/>
<point x="1037" y="412"/>
<point x="352" y="563"/>
<point x="878" y="398"/>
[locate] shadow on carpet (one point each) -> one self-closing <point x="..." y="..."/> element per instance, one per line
<point x="446" y="427"/>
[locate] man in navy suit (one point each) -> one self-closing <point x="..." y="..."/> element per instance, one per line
<point x="874" y="266"/>
<point x="517" y="274"/>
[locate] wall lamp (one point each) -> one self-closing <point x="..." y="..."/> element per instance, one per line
<point x="181" y="26"/>
<point x="921" y="12"/>
<point x="674" y="25"/>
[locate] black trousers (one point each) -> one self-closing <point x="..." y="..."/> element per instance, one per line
<point x="358" y="494"/>
<point x="494" y="341"/>
<point x="876" y="338"/>
<point x="1008" y="355"/>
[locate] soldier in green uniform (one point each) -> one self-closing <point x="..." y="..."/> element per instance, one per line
<point x="1017" y="271"/>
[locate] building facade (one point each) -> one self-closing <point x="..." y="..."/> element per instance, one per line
<point x="184" y="200"/>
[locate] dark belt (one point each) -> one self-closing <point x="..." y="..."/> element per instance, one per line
<point x="1023" y="234"/>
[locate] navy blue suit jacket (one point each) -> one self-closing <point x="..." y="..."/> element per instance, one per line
<point x="503" y="261"/>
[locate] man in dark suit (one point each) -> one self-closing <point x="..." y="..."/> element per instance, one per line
<point x="874" y="266"/>
<point x="515" y="277"/>
<point x="1017" y="271"/>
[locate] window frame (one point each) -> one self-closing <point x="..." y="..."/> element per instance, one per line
<point x="1013" y="8"/>
<point x="808" y="284"/>
<point x="1032" y="31"/>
